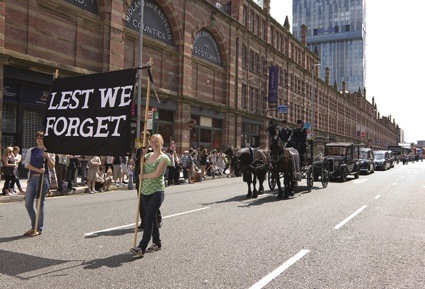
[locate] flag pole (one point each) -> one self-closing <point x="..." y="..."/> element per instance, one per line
<point x="142" y="158"/>
<point x="39" y="195"/>
<point x="40" y="180"/>
<point x="139" y="80"/>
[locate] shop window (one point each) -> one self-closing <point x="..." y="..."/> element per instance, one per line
<point x="7" y="140"/>
<point x="9" y="118"/>
<point x="166" y="131"/>
<point x="216" y="139"/>
<point x="166" y="115"/>
<point x="205" y="135"/>
<point x="217" y="123"/>
<point x="32" y="124"/>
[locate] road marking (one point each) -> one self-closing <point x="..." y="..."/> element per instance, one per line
<point x="133" y="225"/>
<point x="279" y="270"/>
<point x="349" y="218"/>
<point x="187" y="212"/>
<point x="394" y="184"/>
<point x="378" y="196"/>
<point x="359" y="181"/>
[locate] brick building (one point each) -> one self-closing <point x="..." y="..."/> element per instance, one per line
<point x="211" y="69"/>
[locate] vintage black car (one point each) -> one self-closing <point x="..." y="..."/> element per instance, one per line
<point x="392" y="158"/>
<point x="343" y="160"/>
<point x="366" y="161"/>
<point x="382" y="160"/>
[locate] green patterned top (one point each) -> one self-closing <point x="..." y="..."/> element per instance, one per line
<point x="151" y="186"/>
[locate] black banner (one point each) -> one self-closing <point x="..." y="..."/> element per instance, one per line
<point x="90" y="114"/>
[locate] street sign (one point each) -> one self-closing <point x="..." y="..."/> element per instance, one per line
<point x="282" y="109"/>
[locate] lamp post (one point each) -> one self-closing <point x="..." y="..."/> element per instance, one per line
<point x="312" y="98"/>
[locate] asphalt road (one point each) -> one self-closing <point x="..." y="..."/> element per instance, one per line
<point x="364" y="233"/>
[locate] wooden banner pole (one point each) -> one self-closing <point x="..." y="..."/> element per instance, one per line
<point x="41" y="180"/>
<point x="142" y="158"/>
<point x="38" y="206"/>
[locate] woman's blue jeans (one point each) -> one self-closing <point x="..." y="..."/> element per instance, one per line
<point x="30" y="196"/>
<point x="151" y="204"/>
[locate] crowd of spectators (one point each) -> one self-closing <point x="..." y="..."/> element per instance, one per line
<point x="99" y="173"/>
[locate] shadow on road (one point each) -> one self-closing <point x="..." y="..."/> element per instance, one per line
<point x="111" y="262"/>
<point x="24" y="263"/>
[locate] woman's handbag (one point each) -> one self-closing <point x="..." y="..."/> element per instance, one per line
<point x="7" y="171"/>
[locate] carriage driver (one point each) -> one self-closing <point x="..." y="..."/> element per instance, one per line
<point x="299" y="138"/>
<point x="285" y="134"/>
<point x="272" y="130"/>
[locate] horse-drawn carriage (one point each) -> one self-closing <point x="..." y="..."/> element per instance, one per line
<point x="313" y="168"/>
<point x="255" y="165"/>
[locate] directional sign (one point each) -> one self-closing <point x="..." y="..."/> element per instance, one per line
<point x="282" y="109"/>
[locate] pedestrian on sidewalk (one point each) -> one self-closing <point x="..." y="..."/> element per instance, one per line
<point x="18" y="159"/>
<point x="103" y="180"/>
<point x="130" y="173"/>
<point x="152" y="195"/>
<point x="117" y="171"/>
<point x="94" y="164"/>
<point x="8" y="170"/>
<point x="37" y="161"/>
<point x="61" y="167"/>
<point x="83" y="168"/>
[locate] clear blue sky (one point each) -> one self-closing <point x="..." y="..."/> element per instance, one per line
<point x="395" y="67"/>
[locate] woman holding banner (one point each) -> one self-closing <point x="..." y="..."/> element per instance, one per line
<point x="36" y="161"/>
<point x="153" y="187"/>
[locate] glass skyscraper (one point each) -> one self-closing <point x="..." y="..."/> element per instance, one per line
<point x="338" y="29"/>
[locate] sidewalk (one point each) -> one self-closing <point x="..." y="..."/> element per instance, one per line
<point x="79" y="189"/>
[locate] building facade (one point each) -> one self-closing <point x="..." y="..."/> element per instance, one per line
<point x="337" y="29"/>
<point x="211" y="64"/>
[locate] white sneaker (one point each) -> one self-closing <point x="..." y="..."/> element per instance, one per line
<point x="153" y="248"/>
<point x="137" y="251"/>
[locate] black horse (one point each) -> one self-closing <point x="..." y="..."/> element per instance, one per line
<point x="251" y="163"/>
<point x="284" y="160"/>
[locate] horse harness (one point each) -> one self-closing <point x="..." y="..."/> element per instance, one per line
<point x="291" y="154"/>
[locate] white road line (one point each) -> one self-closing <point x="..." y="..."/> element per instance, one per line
<point x="108" y="230"/>
<point x="360" y="181"/>
<point x="187" y="212"/>
<point x="378" y="196"/>
<point x="349" y="218"/>
<point x="279" y="270"/>
<point x="133" y="225"/>
<point x="394" y="184"/>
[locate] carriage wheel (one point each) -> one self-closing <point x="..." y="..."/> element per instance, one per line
<point x="271" y="180"/>
<point x="325" y="177"/>
<point x="310" y="178"/>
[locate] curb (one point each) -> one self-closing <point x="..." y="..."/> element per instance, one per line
<point x="52" y="193"/>
<point x="82" y="190"/>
